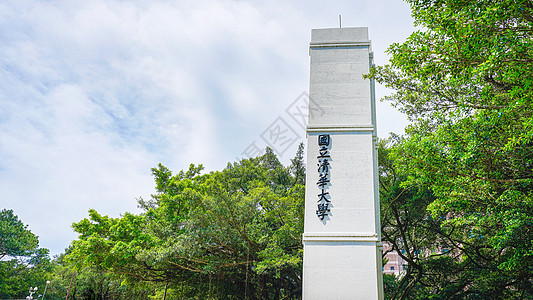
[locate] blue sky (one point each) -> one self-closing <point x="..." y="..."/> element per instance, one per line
<point x="93" y="94"/>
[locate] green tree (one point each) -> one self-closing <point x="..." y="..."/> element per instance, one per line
<point x="230" y="234"/>
<point x="466" y="81"/>
<point x="407" y="227"/>
<point x="90" y="282"/>
<point x="16" y="240"/>
<point x="22" y="262"/>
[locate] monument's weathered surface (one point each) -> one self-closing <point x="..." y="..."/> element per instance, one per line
<point x="342" y="249"/>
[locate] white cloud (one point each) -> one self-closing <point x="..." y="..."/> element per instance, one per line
<point x="95" y="93"/>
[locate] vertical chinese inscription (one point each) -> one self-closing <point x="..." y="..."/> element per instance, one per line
<point x="324" y="142"/>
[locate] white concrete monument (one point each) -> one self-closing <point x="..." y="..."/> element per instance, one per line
<point x="342" y="242"/>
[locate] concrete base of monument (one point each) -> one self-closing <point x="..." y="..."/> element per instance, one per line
<point x="343" y="266"/>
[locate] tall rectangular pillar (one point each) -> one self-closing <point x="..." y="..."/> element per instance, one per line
<point x="342" y="242"/>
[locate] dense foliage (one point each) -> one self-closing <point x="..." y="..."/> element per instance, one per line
<point x="16" y="240"/>
<point x="230" y="234"/>
<point x="22" y="262"/>
<point x="457" y="192"/>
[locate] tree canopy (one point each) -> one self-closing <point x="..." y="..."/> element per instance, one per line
<point x="22" y="262"/>
<point x="229" y="234"/>
<point x="15" y="239"/>
<point x="462" y="173"/>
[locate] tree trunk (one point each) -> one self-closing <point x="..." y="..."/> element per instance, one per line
<point x="70" y="285"/>
<point x="165" y="294"/>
